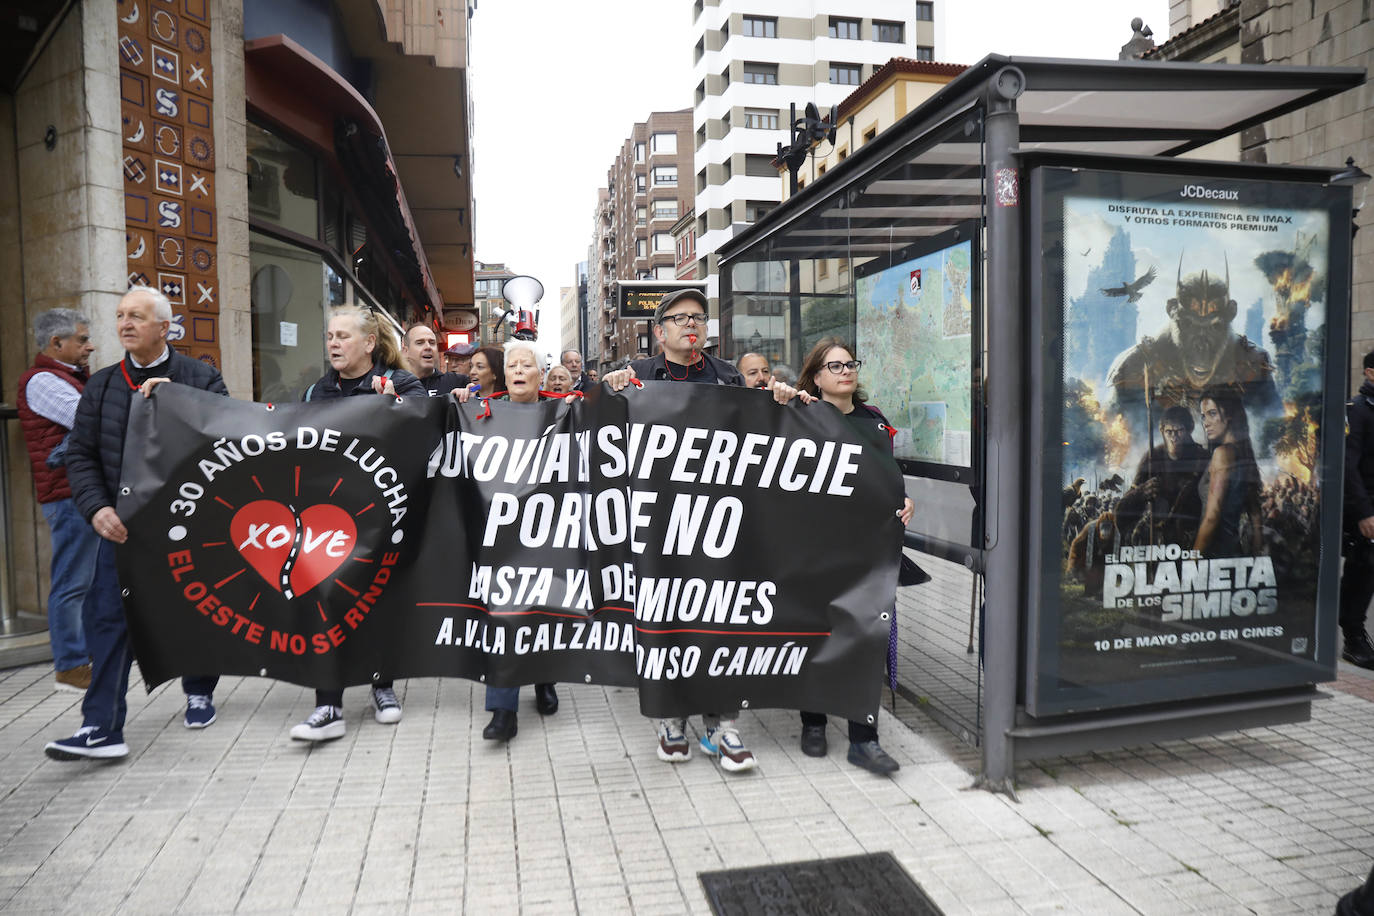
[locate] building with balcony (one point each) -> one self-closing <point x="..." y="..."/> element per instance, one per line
<point x="646" y="193"/>
<point x="491" y="306"/>
<point x="752" y="61"/>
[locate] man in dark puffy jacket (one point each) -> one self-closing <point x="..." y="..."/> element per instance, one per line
<point x="95" y="456"/>
<point x="1357" y="580"/>
<point x="48" y="395"/>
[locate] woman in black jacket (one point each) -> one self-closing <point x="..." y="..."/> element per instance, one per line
<point x="831" y="374"/>
<point x="364" y="358"/>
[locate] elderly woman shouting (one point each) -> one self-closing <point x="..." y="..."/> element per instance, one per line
<point x="521" y="373"/>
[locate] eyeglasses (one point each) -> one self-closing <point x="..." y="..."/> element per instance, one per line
<point x="681" y="319"/>
<point x="837" y="367"/>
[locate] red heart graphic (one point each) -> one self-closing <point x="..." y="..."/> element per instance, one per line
<point x="293" y="557"/>
<point x="327" y="538"/>
<point x="264" y="531"/>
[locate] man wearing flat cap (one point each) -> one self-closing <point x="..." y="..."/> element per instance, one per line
<point x="458" y="358"/>
<point x="680" y="328"/>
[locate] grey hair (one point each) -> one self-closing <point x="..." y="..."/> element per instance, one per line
<point x="564" y="355"/>
<point x="56" y="323"/>
<point x="516" y="343"/>
<point x="162" y="306"/>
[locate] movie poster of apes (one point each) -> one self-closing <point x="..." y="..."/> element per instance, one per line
<point x="1193" y="369"/>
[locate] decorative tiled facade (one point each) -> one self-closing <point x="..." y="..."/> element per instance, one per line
<point x="166" y="88"/>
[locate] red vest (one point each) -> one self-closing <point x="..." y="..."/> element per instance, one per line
<point x="42" y="435"/>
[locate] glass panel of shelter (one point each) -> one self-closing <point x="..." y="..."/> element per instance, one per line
<point x="842" y="267"/>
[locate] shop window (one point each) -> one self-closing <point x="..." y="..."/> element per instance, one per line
<point x="282" y="183"/>
<point x="290" y="292"/>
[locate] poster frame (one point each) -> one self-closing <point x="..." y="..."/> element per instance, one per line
<point x="1045" y="176"/>
<point x="966" y="231"/>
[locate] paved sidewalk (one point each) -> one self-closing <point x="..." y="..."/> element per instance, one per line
<point x="577" y="814"/>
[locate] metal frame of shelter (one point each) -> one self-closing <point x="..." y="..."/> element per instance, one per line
<point x="955" y="162"/>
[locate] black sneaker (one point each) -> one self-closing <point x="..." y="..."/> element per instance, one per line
<point x="325" y="724"/>
<point x="813" y="743"/>
<point x="1358" y="650"/>
<point x="870" y="756"/>
<point x="89" y="742"/>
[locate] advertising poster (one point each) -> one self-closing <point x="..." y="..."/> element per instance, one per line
<point x="1186" y="498"/>
<point x="630" y="540"/>
<point x="914" y="332"/>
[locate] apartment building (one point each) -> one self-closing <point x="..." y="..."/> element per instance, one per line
<point x="647" y="190"/>
<point x="490" y="304"/>
<point x="753" y="60"/>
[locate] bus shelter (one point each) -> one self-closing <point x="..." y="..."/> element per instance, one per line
<point x="1117" y="371"/>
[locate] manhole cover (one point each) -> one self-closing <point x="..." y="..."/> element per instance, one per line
<point x="874" y="885"/>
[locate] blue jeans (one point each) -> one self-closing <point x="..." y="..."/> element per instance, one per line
<point x="107" y="638"/>
<point x="73" y="565"/>
<point x="502" y="698"/>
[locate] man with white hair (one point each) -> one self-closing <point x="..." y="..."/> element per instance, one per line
<point x="572" y="361"/>
<point x="48" y="395"/>
<point x="95" y="456"/>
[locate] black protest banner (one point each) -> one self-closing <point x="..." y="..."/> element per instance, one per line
<point x="703" y="543"/>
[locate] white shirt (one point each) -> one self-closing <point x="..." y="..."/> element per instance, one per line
<point x="53" y="397"/>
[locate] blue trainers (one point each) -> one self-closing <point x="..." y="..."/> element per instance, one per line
<point x="90" y="741"/>
<point x="200" y="712"/>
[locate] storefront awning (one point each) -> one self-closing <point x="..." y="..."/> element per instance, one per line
<point x="299" y="90"/>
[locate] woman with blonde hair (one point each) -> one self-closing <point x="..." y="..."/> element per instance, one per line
<point x="364" y="353"/>
<point x="364" y="358"/>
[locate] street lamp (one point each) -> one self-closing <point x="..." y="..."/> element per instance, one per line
<point x="1358" y="180"/>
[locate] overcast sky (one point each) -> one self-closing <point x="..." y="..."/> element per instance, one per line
<point x="556" y="88"/>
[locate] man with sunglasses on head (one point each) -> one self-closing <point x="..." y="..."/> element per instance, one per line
<point x="680" y="328"/>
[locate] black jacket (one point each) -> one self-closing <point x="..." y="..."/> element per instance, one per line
<point x="655" y="369"/>
<point x="95" y="451"/>
<point x="1359" y="456"/>
<point x="328" y="388"/>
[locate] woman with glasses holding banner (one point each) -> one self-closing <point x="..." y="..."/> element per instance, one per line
<point x="831" y="374"/>
<point x="364" y="353"/>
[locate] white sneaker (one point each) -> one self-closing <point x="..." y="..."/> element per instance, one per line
<point x="325" y="724"/>
<point x="672" y="740"/>
<point x="724" y="742"/>
<point x="386" y="709"/>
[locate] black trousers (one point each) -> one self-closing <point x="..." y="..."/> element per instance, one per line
<point x="859" y="732"/>
<point x="335" y="697"/>
<point x="1357" y="583"/>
